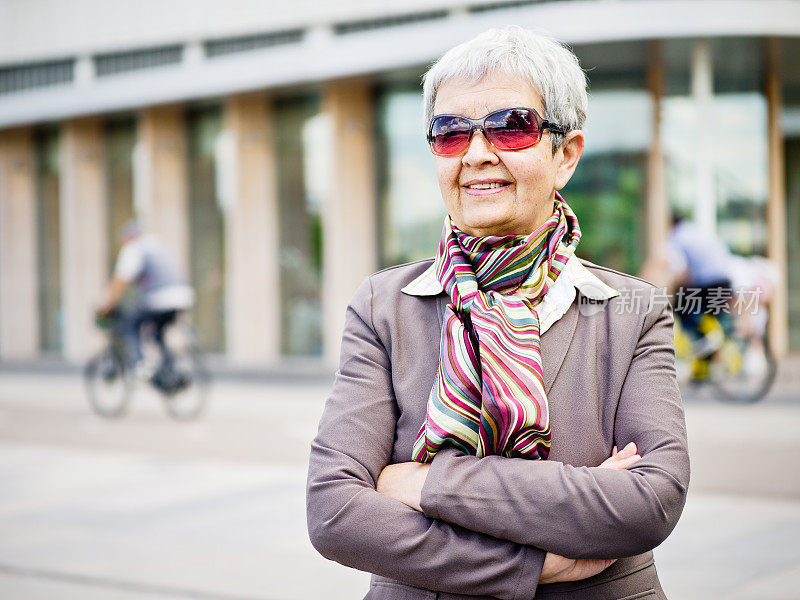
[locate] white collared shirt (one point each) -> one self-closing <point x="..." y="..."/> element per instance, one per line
<point x="556" y="301"/>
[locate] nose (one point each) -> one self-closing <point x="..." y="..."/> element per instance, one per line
<point x="479" y="151"/>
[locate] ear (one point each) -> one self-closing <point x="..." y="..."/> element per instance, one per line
<point x="567" y="157"/>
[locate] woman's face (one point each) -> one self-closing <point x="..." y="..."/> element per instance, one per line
<point x="529" y="178"/>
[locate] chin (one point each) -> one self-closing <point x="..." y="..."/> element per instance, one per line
<point x="486" y="227"/>
<point x="487" y="222"/>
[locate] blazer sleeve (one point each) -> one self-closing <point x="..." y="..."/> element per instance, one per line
<point x="584" y="512"/>
<point x="351" y="523"/>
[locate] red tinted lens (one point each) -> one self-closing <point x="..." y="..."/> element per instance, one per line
<point x="512" y="129"/>
<point x="449" y="135"/>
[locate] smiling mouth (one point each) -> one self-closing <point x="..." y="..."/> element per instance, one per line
<point x="486" y="186"/>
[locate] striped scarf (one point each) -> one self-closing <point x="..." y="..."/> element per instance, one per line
<point x="488" y="396"/>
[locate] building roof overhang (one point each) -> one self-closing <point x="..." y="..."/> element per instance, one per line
<point x="322" y="55"/>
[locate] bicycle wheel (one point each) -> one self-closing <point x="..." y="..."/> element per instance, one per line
<point x="107" y="384"/>
<point x="743" y="370"/>
<point x="184" y="385"/>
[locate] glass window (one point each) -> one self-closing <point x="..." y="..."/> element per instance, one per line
<point x="120" y="137"/>
<point x="206" y="226"/>
<point x="607" y="194"/>
<point x="738" y="122"/>
<point x="410" y="208"/>
<point x="614" y="66"/>
<point x="607" y="190"/>
<point x="298" y="125"/>
<point x="48" y="217"/>
<point x="742" y="187"/>
<point x="739" y="133"/>
<point x="679" y="122"/>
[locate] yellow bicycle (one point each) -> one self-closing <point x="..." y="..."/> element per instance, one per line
<point x="736" y="363"/>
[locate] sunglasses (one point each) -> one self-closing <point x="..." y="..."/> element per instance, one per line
<point x="505" y="129"/>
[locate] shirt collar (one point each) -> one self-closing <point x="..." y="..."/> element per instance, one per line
<point x="588" y="284"/>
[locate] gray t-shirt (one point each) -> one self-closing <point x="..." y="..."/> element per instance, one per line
<point x="703" y="254"/>
<point x="147" y="261"/>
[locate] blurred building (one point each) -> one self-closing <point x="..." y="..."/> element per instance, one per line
<point x="279" y="149"/>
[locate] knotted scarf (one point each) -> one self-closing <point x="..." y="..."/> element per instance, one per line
<point x="488" y="396"/>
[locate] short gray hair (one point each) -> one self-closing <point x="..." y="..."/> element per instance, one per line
<point x="548" y="65"/>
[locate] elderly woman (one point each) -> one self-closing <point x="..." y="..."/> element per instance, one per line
<point x="469" y="446"/>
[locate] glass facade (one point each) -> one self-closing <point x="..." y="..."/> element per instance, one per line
<point x="48" y="243"/>
<point x="206" y="226"/>
<point x="737" y="152"/>
<point x="607" y="190"/>
<point x="410" y="208"/>
<point x="739" y="129"/>
<point x="120" y="138"/>
<point x="298" y="127"/>
<point x="607" y="194"/>
<point x="679" y="125"/>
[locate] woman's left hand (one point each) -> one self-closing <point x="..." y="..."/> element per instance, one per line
<point x="403" y="482"/>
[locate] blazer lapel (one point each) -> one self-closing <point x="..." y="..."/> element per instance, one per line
<point x="442" y="300"/>
<point x="555" y="342"/>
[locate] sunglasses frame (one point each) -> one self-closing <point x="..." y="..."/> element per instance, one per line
<point x="478" y="125"/>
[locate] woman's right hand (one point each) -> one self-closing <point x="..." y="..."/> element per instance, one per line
<point x="622" y="459"/>
<point x="560" y="568"/>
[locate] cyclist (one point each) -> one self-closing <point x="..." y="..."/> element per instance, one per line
<point x="698" y="266"/>
<point x="163" y="292"/>
<point x="718" y="295"/>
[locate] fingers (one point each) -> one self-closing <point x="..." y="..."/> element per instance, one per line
<point x="628" y="450"/>
<point x="621" y="459"/>
<point x="626" y="462"/>
<point x="559" y="568"/>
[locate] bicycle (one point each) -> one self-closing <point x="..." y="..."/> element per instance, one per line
<point x="732" y="357"/>
<point x="181" y="378"/>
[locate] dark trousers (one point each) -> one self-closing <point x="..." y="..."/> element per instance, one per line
<point x="692" y="303"/>
<point x="131" y="331"/>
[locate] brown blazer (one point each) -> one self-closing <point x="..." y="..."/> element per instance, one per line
<point x="610" y="379"/>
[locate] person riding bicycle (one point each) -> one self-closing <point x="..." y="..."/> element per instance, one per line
<point x="699" y="264"/>
<point x="717" y="295"/>
<point x="163" y="292"/>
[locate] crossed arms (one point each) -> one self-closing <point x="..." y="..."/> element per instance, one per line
<point x="455" y="544"/>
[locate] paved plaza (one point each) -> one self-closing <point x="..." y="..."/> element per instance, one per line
<point x="145" y="507"/>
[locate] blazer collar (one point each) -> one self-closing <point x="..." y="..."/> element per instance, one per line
<point x="588" y="284"/>
<point x="561" y="316"/>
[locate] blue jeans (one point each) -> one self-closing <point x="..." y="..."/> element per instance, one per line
<point x="704" y="300"/>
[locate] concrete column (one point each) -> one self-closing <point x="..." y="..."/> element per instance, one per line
<point x="84" y="250"/>
<point x="657" y="202"/>
<point x="705" y="204"/>
<point x="161" y="180"/>
<point x="19" y="322"/>
<point x="349" y="226"/>
<point x="252" y="299"/>
<point x="776" y="203"/>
